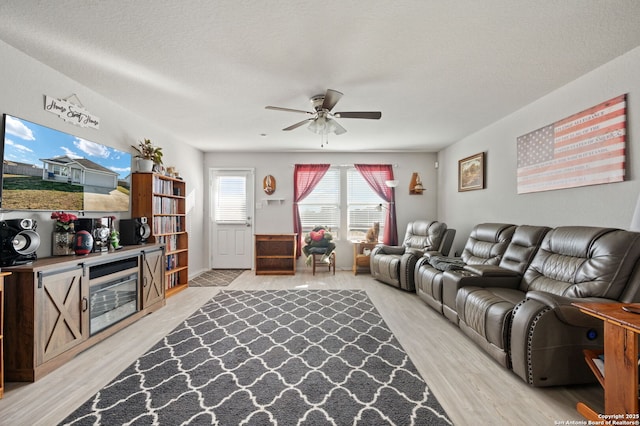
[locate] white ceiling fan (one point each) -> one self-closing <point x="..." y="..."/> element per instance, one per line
<point x="322" y="121"/>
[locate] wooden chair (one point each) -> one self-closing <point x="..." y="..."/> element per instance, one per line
<point x="317" y="261"/>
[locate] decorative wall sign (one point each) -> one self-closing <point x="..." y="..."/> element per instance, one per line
<point x="269" y="184"/>
<point x="75" y="114"/>
<point x="587" y="148"/>
<point x="471" y="173"/>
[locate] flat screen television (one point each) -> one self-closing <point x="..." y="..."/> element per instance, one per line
<point x="46" y="169"/>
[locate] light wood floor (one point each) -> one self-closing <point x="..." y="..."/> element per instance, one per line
<point x="473" y="389"/>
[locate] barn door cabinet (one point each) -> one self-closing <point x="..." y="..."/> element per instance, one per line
<point x="153" y="272"/>
<point x="49" y="303"/>
<point x="62" y="302"/>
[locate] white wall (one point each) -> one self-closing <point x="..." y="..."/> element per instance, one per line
<point x="278" y="218"/>
<point x="609" y="205"/>
<point x="23" y="84"/>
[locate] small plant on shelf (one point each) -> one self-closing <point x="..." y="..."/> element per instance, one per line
<point x="64" y="221"/>
<point x="147" y="151"/>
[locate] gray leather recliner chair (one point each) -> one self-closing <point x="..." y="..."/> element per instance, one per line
<point x="394" y="265"/>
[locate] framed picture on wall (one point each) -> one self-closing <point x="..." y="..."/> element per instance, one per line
<point x="471" y="173"/>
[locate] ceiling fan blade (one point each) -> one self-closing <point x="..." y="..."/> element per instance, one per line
<point x="373" y="115"/>
<point x="295" y="126"/>
<point x="331" y="98"/>
<point x="275" y="108"/>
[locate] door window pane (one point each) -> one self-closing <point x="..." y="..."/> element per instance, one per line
<point x="231" y="199"/>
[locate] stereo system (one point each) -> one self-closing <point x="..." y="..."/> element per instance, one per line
<point x="18" y="241"/>
<point x="134" y="231"/>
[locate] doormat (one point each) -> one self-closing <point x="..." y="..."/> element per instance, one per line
<point x="216" y="278"/>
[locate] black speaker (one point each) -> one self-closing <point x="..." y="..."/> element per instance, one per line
<point x="18" y="241"/>
<point x="134" y="231"/>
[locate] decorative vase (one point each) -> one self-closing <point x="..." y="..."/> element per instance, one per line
<point x="62" y="243"/>
<point x="144" y="165"/>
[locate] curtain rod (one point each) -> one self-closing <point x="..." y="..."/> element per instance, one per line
<point x="339" y="165"/>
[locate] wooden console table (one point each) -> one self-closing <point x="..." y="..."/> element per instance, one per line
<point x="48" y="309"/>
<point x="620" y="380"/>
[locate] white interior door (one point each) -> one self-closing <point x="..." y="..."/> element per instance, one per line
<point x="232" y="211"/>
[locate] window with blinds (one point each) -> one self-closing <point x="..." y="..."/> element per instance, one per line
<point x="231" y="199"/>
<point x="363" y="207"/>
<point x="322" y="206"/>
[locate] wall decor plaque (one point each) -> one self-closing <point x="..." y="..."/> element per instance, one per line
<point x="269" y="184"/>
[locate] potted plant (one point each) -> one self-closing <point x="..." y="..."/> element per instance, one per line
<point x="148" y="155"/>
<point x="63" y="233"/>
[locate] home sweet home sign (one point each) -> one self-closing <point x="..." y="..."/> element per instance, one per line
<point x="71" y="113"/>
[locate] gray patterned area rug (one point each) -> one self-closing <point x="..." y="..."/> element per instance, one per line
<point x="216" y="278"/>
<point x="284" y="357"/>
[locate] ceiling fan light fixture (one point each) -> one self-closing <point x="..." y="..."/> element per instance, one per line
<point x="319" y="125"/>
<point x="332" y="126"/>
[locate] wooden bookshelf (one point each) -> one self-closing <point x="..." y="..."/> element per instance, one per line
<point x="2" y="275"/>
<point x="162" y="200"/>
<point x="275" y="254"/>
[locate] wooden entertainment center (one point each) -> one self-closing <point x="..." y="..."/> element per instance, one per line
<point x="57" y="307"/>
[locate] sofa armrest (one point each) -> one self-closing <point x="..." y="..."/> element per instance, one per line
<point x="452" y="281"/>
<point x="384" y="249"/>
<point x="564" y="310"/>
<point x="547" y="332"/>
<point x="407" y="270"/>
<point x="465" y="278"/>
<point x="430" y="253"/>
<point x="490" y="271"/>
<point x="415" y="252"/>
<point x="424" y="260"/>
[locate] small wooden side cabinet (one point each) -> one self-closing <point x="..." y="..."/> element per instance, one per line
<point x="362" y="256"/>
<point x="620" y="379"/>
<point x="2" y="275"/>
<point x="275" y="254"/>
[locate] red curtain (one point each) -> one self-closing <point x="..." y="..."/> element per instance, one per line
<point x="376" y="175"/>
<point x="305" y="178"/>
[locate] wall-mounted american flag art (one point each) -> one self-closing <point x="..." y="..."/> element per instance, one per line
<point x="587" y="148"/>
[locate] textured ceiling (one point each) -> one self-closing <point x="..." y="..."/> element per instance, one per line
<point x="438" y="70"/>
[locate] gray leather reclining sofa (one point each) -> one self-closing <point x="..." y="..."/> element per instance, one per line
<point x="520" y="311"/>
<point x="486" y="245"/>
<point x="395" y="265"/>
